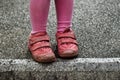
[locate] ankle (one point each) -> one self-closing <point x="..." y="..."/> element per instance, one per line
<point x="35" y="32"/>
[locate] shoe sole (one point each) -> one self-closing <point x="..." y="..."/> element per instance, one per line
<point x="68" y="54"/>
<point x="45" y="58"/>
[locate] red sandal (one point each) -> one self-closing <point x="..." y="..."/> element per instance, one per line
<point x="67" y="44"/>
<point x="40" y="47"/>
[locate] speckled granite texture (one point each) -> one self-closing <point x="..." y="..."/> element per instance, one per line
<point x="60" y="76"/>
<point x="97" y="27"/>
<point x="96" y="24"/>
<point x="79" y="64"/>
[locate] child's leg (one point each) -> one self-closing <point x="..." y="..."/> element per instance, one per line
<point x="39" y="13"/>
<point x="64" y="10"/>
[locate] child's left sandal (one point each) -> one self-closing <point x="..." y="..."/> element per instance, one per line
<point x="67" y="44"/>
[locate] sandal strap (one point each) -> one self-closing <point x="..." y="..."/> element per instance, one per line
<point x="39" y="39"/>
<point x="66" y="35"/>
<point x="68" y="40"/>
<point x="40" y="45"/>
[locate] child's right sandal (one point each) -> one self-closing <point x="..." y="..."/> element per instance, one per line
<point x="40" y="47"/>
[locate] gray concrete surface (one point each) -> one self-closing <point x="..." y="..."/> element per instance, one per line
<point x="97" y="27"/>
<point x="79" y="64"/>
<point x="76" y="69"/>
<point x="60" y="76"/>
<point x="96" y="23"/>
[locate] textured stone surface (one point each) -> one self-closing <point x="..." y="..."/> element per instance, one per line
<point x="79" y="64"/>
<point x="76" y="69"/>
<point x="91" y="75"/>
<point x="96" y="23"/>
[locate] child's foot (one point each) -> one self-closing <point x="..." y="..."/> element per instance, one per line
<point x="67" y="44"/>
<point x="40" y="47"/>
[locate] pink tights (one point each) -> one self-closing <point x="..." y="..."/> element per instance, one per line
<point x="39" y="13"/>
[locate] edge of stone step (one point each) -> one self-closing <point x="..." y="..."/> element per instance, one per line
<point x="78" y="64"/>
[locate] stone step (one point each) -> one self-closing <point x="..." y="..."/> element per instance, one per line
<point x="79" y="64"/>
<point x="97" y="27"/>
<point x="95" y="22"/>
<point x="75" y="69"/>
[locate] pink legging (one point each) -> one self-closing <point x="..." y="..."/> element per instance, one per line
<point x="39" y="13"/>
